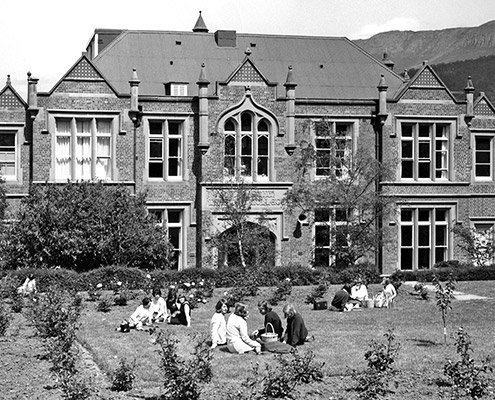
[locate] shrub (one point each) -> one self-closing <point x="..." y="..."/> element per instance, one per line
<point x="374" y="381"/>
<point x="123" y="377"/>
<point x="105" y="304"/>
<point x="183" y="379"/>
<point x="466" y="376"/>
<point x="280" y="381"/>
<point x="85" y="225"/>
<point x="8" y="287"/>
<point x="318" y="292"/>
<point x="246" y="285"/>
<point x="444" y="295"/>
<point x="73" y="387"/>
<point x="4" y="320"/>
<point x="17" y="302"/>
<point x="283" y="290"/>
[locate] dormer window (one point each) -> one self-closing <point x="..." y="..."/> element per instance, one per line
<point x="176" y="89"/>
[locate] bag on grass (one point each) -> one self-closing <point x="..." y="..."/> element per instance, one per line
<point x="277" y="347"/>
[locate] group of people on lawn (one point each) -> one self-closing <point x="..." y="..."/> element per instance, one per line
<point x="233" y="332"/>
<point x="355" y="295"/>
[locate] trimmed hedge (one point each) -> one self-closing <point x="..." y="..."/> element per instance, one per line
<point x="299" y="275"/>
<point x="460" y="271"/>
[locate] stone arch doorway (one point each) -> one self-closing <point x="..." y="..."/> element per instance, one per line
<point x="258" y="247"/>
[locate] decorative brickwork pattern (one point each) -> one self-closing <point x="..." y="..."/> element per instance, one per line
<point x="247" y="74"/>
<point x="483" y="108"/>
<point x="9" y="100"/>
<point x="427" y="79"/>
<point x="84" y="70"/>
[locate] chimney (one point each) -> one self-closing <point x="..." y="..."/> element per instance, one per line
<point x="32" y="91"/>
<point x="388" y="62"/>
<point x="226" y="38"/>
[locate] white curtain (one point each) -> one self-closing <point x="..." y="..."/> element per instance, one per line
<point x="104" y="129"/>
<point x="62" y="150"/>
<point x="83" y="150"/>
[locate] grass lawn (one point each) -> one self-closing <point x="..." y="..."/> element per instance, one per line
<point x="341" y="342"/>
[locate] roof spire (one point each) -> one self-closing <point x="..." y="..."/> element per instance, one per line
<point x="200" y="25"/>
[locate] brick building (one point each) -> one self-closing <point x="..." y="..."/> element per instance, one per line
<point x="180" y="114"/>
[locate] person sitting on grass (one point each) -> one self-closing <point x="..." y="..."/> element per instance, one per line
<point x="359" y="293"/>
<point x="296" y="333"/>
<point x="142" y="316"/>
<point x="158" y="307"/>
<point x="28" y="287"/>
<point x="218" y="326"/>
<point x="272" y="318"/>
<point x="341" y="299"/>
<point x="238" y="341"/>
<point x="389" y="292"/>
<point x="183" y="315"/>
<point x="171" y="301"/>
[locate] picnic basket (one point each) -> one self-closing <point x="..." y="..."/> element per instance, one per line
<point x="268" y="337"/>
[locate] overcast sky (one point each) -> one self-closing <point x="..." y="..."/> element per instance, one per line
<point x="46" y="37"/>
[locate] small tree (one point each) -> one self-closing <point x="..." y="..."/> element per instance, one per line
<point x="467" y="377"/>
<point x="81" y="226"/>
<point x="244" y="239"/>
<point x="347" y="193"/>
<point x="444" y="296"/>
<point x="479" y="245"/>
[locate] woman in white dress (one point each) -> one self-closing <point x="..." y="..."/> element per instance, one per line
<point x="218" y="326"/>
<point x="238" y="340"/>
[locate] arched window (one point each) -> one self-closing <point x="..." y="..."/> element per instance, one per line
<point x="247" y="146"/>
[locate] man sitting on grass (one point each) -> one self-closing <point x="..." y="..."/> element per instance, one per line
<point x="341" y="299"/>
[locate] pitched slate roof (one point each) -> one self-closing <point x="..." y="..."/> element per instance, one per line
<point x="323" y="67"/>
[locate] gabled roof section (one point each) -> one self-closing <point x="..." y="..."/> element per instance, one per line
<point x="247" y="74"/>
<point x="483" y="106"/>
<point x="425" y="79"/>
<point x="84" y="71"/>
<point x="326" y="67"/>
<point x="9" y="98"/>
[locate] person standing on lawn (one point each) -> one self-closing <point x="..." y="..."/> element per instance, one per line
<point x="296" y="333"/>
<point x="238" y="340"/>
<point x="218" y="326"/>
<point x="272" y="318"/>
<point x="183" y="315"/>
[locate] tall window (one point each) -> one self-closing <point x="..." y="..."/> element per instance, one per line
<point x="247" y="146"/>
<point x="423" y="237"/>
<point x="8" y="154"/>
<point x="329" y="233"/>
<point x="83" y="149"/>
<point x="425" y="151"/>
<point x="333" y="144"/>
<point x="485" y="240"/>
<point x="172" y="219"/>
<point x="165" y="159"/>
<point x="483" y="158"/>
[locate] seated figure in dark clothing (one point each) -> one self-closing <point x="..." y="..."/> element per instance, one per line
<point x="272" y="318"/>
<point x="341" y="299"/>
<point x="296" y="333"/>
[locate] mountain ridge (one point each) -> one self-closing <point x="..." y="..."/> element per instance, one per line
<point x="408" y="49"/>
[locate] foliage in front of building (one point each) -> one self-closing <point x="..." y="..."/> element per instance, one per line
<point x="82" y="226"/>
<point x="343" y="197"/>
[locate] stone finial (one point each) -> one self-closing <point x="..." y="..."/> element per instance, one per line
<point x="8" y="80"/>
<point x="248" y="52"/>
<point x="202" y="76"/>
<point x="289" y="81"/>
<point x="134" y="78"/>
<point x="382" y="85"/>
<point x="469" y="87"/>
<point x="406" y="75"/>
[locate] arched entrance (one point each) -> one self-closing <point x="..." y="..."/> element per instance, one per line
<point x="257" y="243"/>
